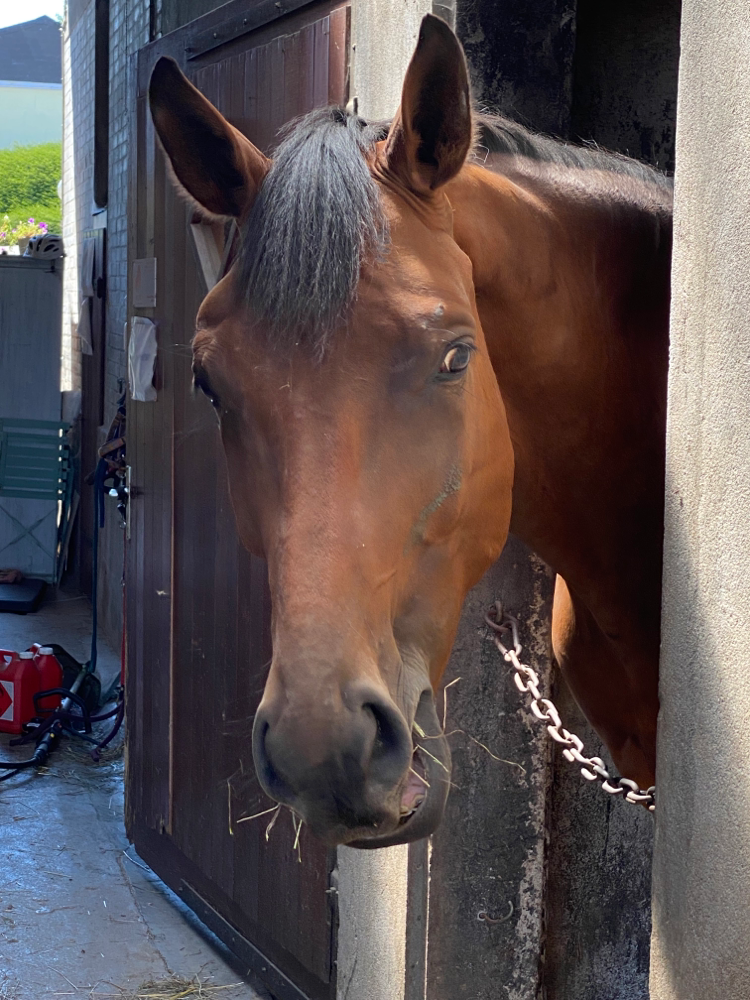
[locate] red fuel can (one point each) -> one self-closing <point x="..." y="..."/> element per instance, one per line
<point x="50" y="676"/>
<point x="19" y="682"/>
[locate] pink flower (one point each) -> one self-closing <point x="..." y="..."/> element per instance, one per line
<point x="31" y="220"/>
<point x="42" y="225"/>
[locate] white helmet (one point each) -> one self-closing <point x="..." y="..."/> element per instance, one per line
<point x="47" y="246"/>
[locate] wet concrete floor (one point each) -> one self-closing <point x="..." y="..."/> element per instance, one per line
<point x="80" y="913"/>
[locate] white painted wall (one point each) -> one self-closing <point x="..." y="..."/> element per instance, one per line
<point x="701" y="888"/>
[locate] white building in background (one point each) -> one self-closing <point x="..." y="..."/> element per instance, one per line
<point x="30" y="83"/>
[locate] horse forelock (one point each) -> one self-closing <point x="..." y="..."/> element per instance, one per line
<point x="316" y="216"/>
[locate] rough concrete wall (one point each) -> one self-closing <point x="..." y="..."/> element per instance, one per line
<point x="520" y="56"/>
<point x="598" y="917"/>
<point x="384" y="34"/>
<point x="702" y="853"/>
<point x="625" y="78"/>
<point x="486" y="917"/>
<point x="78" y="171"/>
<point x="372" y="923"/>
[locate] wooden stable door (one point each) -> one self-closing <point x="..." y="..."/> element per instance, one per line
<point x="197" y="604"/>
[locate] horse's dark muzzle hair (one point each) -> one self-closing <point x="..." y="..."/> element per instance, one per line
<point x="344" y="776"/>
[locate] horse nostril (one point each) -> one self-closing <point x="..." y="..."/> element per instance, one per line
<point x="270" y="780"/>
<point x="391" y="746"/>
<point x="387" y="736"/>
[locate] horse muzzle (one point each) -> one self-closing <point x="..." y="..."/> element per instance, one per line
<point x="356" y="773"/>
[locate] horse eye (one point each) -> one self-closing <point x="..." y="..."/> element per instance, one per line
<point x="456" y="359"/>
<point x="199" y="382"/>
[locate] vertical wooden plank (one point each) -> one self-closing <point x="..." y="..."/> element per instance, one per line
<point x="157" y="497"/>
<point x="293" y="97"/>
<point x="235" y="83"/>
<point x="320" y="62"/>
<point x="264" y="121"/>
<point x="338" y="56"/>
<point x="307" y="69"/>
<point x="278" y="81"/>
<point x="250" y="103"/>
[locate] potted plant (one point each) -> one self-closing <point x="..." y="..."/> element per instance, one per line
<point x="21" y="234"/>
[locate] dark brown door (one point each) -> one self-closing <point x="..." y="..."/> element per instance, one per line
<point x="198" y="606"/>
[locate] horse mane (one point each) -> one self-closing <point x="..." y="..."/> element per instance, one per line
<point x="500" y="135"/>
<point x="318" y="214"/>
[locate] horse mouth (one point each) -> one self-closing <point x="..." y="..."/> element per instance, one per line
<point x="424" y="789"/>
<point x="416" y="787"/>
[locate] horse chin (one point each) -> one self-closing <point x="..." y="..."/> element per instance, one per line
<point x="424" y="789"/>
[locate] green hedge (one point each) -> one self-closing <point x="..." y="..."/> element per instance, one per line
<point x="29" y="175"/>
<point x="51" y="214"/>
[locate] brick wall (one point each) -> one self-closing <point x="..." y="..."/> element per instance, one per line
<point x="78" y="172"/>
<point x="129" y="31"/>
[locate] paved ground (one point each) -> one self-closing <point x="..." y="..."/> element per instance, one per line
<point x="80" y="914"/>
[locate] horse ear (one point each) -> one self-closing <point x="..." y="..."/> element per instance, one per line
<point x="432" y="132"/>
<point x="215" y="164"/>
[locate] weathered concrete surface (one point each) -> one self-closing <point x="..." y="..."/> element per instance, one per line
<point x="702" y="852"/>
<point x="79" y="912"/>
<point x="372" y="923"/>
<point x="521" y="58"/>
<point x="384" y="35"/>
<point x="488" y="855"/>
<point x="598" y="916"/>
<point x="625" y="77"/>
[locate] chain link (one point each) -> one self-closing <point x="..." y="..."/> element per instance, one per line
<point x="527" y="682"/>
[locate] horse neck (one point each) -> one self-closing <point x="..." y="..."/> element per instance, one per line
<point x="573" y="293"/>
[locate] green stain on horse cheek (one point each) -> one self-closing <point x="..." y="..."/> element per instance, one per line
<point x="452" y="485"/>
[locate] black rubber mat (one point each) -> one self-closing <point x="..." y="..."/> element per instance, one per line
<point x="21" y="598"/>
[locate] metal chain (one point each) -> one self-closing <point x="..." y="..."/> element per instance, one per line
<point x="527" y="682"/>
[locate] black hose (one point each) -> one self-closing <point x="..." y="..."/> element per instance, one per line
<point x="61" y="720"/>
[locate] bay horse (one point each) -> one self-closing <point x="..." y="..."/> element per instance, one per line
<point x="435" y="331"/>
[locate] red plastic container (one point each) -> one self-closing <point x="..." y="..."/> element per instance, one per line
<point x="19" y="682"/>
<point x="50" y="676"/>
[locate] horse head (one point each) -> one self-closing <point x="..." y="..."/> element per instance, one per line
<point x="367" y="446"/>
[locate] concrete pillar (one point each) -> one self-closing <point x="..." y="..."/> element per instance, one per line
<point x="371" y="953"/>
<point x="701" y="888"/>
<point x="384" y="35"/>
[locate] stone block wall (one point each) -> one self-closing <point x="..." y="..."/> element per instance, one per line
<point x="78" y="170"/>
